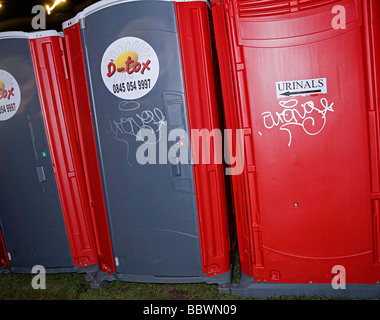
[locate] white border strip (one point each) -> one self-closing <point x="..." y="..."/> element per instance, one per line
<point x="47" y="33"/>
<point x="29" y="35"/>
<point x="14" y="34"/>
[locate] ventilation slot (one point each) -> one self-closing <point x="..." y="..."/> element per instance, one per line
<point x="262" y="8"/>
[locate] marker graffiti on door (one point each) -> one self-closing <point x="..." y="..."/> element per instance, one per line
<point x="310" y="117"/>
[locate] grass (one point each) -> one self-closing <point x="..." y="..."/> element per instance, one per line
<point x="73" y="286"/>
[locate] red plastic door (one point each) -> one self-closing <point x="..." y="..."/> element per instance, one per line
<point x="56" y="100"/>
<point x="3" y="253"/>
<point x="306" y="199"/>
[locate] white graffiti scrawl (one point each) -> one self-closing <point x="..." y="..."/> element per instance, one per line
<point x="310" y="118"/>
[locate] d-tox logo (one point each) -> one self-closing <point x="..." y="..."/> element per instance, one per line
<point x="10" y="95"/>
<point x="130" y="68"/>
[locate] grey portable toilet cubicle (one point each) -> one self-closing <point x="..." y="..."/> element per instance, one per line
<point x="132" y="67"/>
<point x="44" y="209"/>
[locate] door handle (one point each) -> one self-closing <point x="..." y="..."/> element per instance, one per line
<point x="41" y="174"/>
<point x="176" y="167"/>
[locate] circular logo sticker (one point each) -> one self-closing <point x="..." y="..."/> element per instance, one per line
<point x="129" y="68"/>
<point x="10" y="95"/>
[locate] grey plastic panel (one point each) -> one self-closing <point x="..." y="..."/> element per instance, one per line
<point x="249" y="288"/>
<point x="30" y="211"/>
<point x="151" y="208"/>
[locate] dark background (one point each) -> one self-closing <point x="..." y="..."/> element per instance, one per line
<point x="16" y="15"/>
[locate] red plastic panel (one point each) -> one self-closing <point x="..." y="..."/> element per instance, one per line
<point x="4" y="262"/>
<point x="301" y="90"/>
<point x="371" y="12"/>
<point x="82" y="115"/>
<point x="55" y="96"/>
<point x="224" y="44"/>
<point x="204" y="112"/>
<point x="274" y="7"/>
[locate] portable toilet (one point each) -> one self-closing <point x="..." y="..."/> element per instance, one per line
<point x="145" y="84"/>
<point x="301" y="78"/>
<point x="45" y="215"/>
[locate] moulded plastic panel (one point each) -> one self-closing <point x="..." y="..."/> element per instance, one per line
<point x="44" y="214"/>
<point x="302" y="90"/>
<point x="82" y="112"/>
<point x="372" y="30"/>
<point x="4" y="262"/>
<point x="203" y="96"/>
<point x="53" y="83"/>
<point x="165" y="222"/>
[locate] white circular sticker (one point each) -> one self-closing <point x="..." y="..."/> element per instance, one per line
<point x="10" y="95"/>
<point x="130" y="68"/>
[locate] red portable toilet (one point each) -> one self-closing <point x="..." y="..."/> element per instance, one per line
<point x="4" y="262"/>
<point x="301" y="78"/>
<point x="150" y="65"/>
<point x="45" y="216"/>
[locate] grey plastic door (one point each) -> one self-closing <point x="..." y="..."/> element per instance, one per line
<point x="30" y="211"/>
<point x="151" y="207"/>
